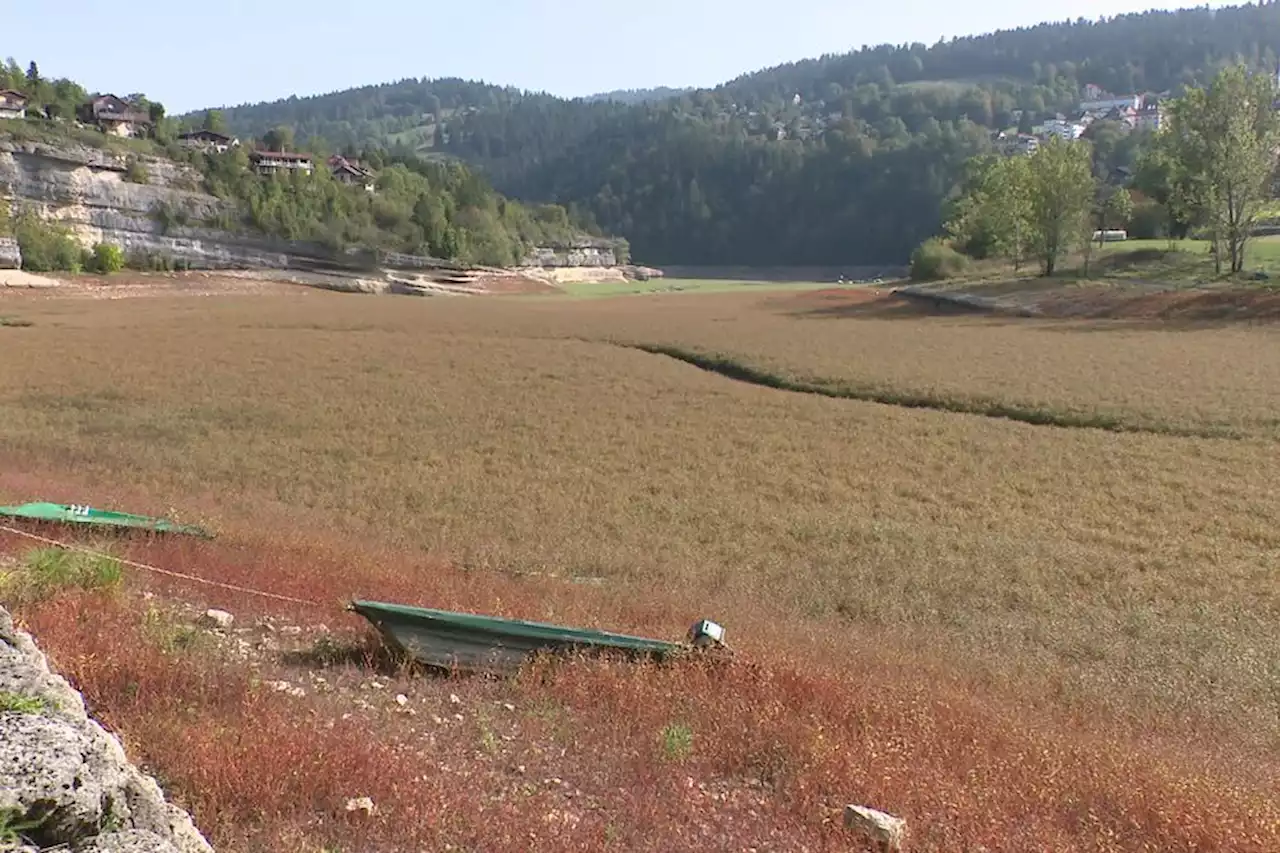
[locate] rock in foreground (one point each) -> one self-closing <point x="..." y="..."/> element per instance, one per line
<point x="66" y="777"/>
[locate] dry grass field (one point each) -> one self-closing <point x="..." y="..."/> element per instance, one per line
<point x="1017" y="636"/>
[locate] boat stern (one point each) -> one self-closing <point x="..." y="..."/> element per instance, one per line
<point x="706" y="633"/>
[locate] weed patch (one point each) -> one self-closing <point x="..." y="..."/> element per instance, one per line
<point x="44" y="572"/>
<point x="16" y="703"/>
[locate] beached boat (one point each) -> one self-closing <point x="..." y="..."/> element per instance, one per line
<point x="468" y="641"/>
<point x="80" y="514"/>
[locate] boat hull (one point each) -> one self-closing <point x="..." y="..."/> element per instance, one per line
<point x="466" y="642"/>
<point x="85" y="515"/>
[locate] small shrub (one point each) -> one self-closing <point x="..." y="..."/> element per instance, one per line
<point x="935" y="259"/>
<point x="15" y="322"/>
<point x="1150" y="221"/>
<point x="137" y="173"/>
<point x="107" y="258"/>
<point x="46" y="246"/>
<point x="677" y="742"/>
<point x="47" y="571"/>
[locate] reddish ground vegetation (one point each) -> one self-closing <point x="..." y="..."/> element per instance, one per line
<point x="1016" y="637"/>
<point x="758" y="754"/>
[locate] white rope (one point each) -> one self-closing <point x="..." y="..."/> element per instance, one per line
<point x="159" y="571"/>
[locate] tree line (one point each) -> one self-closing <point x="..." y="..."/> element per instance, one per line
<point x="840" y="159"/>
<point x="1209" y="170"/>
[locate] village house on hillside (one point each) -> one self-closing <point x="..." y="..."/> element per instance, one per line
<point x="208" y="140"/>
<point x="275" y="162"/>
<point x="116" y="116"/>
<point x="351" y="172"/>
<point x="13" y="104"/>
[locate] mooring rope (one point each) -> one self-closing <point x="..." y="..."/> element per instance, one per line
<point x="167" y="572"/>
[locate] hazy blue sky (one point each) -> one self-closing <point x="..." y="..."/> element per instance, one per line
<point x="195" y="54"/>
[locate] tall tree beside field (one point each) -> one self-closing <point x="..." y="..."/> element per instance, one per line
<point x="991" y="218"/>
<point x="1060" y="192"/>
<point x="1223" y="139"/>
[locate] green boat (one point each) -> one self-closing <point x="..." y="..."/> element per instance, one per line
<point x="80" y="514"/>
<point x="470" y="642"/>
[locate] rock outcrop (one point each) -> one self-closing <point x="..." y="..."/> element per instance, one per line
<point x="10" y="255"/>
<point x="585" y="252"/>
<point x="64" y="780"/>
<point x="88" y="190"/>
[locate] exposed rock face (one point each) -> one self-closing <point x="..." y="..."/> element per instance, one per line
<point x="581" y="253"/>
<point x="10" y="257"/>
<point x="86" y="189"/>
<point x="67" y="777"/>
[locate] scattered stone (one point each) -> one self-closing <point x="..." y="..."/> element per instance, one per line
<point x="402" y="699"/>
<point x="219" y="619"/>
<point x="507" y="706"/>
<point x="361" y="804"/>
<point x="286" y="687"/>
<point x="453" y="698"/>
<point x="377" y="685"/>
<point x="291" y="630"/>
<point x="886" y="832"/>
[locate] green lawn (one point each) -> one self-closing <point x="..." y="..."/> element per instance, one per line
<point x="1179" y="261"/>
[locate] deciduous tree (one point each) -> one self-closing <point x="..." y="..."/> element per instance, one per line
<point x="1060" y="192"/>
<point x="1223" y="138"/>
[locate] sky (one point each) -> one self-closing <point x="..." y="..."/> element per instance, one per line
<point x="190" y="55"/>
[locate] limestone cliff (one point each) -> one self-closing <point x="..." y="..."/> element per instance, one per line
<point x="88" y="190"/>
<point x="585" y="252"/>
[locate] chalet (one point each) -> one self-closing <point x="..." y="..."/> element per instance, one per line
<point x="351" y="172"/>
<point x="116" y="116"/>
<point x="274" y="162"/>
<point x="1149" y="118"/>
<point x="208" y="140"/>
<point x="13" y="104"/>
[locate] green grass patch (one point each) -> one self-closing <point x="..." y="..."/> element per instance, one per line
<point x="600" y="289"/>
<point x="44" y="572"/>
<point x="1028" y="413"/>
<point x="16" y="703"/>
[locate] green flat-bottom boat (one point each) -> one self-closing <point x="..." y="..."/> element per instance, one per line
<point x="80" y="514"/>
<point x="470" y="642"/>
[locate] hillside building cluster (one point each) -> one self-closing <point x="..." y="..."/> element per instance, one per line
<point x="1134" y="112"/>
<point x="115" y="116"/>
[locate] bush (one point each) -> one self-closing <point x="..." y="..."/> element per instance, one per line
<point x="45" y="572"/>
<point x="935" y="259"/>
<point x="137" y="173"/>
<point x="45" y="246"/>
<point x="107" y="258"/>
<point x="1150" y="221"/>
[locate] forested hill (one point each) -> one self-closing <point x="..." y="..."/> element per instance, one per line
<point x="841" y="159"/>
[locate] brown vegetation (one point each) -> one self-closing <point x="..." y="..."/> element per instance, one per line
<point x="1016" y="636"/>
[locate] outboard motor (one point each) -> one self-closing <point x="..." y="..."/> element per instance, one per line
<point x="705" y="634"/>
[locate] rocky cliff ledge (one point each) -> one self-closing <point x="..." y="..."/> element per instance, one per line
<point x="65" y="782"/>
<point x="88" y="190"/>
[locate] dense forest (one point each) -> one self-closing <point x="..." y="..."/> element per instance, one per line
<point x="842" y="159"/>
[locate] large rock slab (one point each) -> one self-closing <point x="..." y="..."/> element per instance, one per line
<point x="66" y="776"/>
